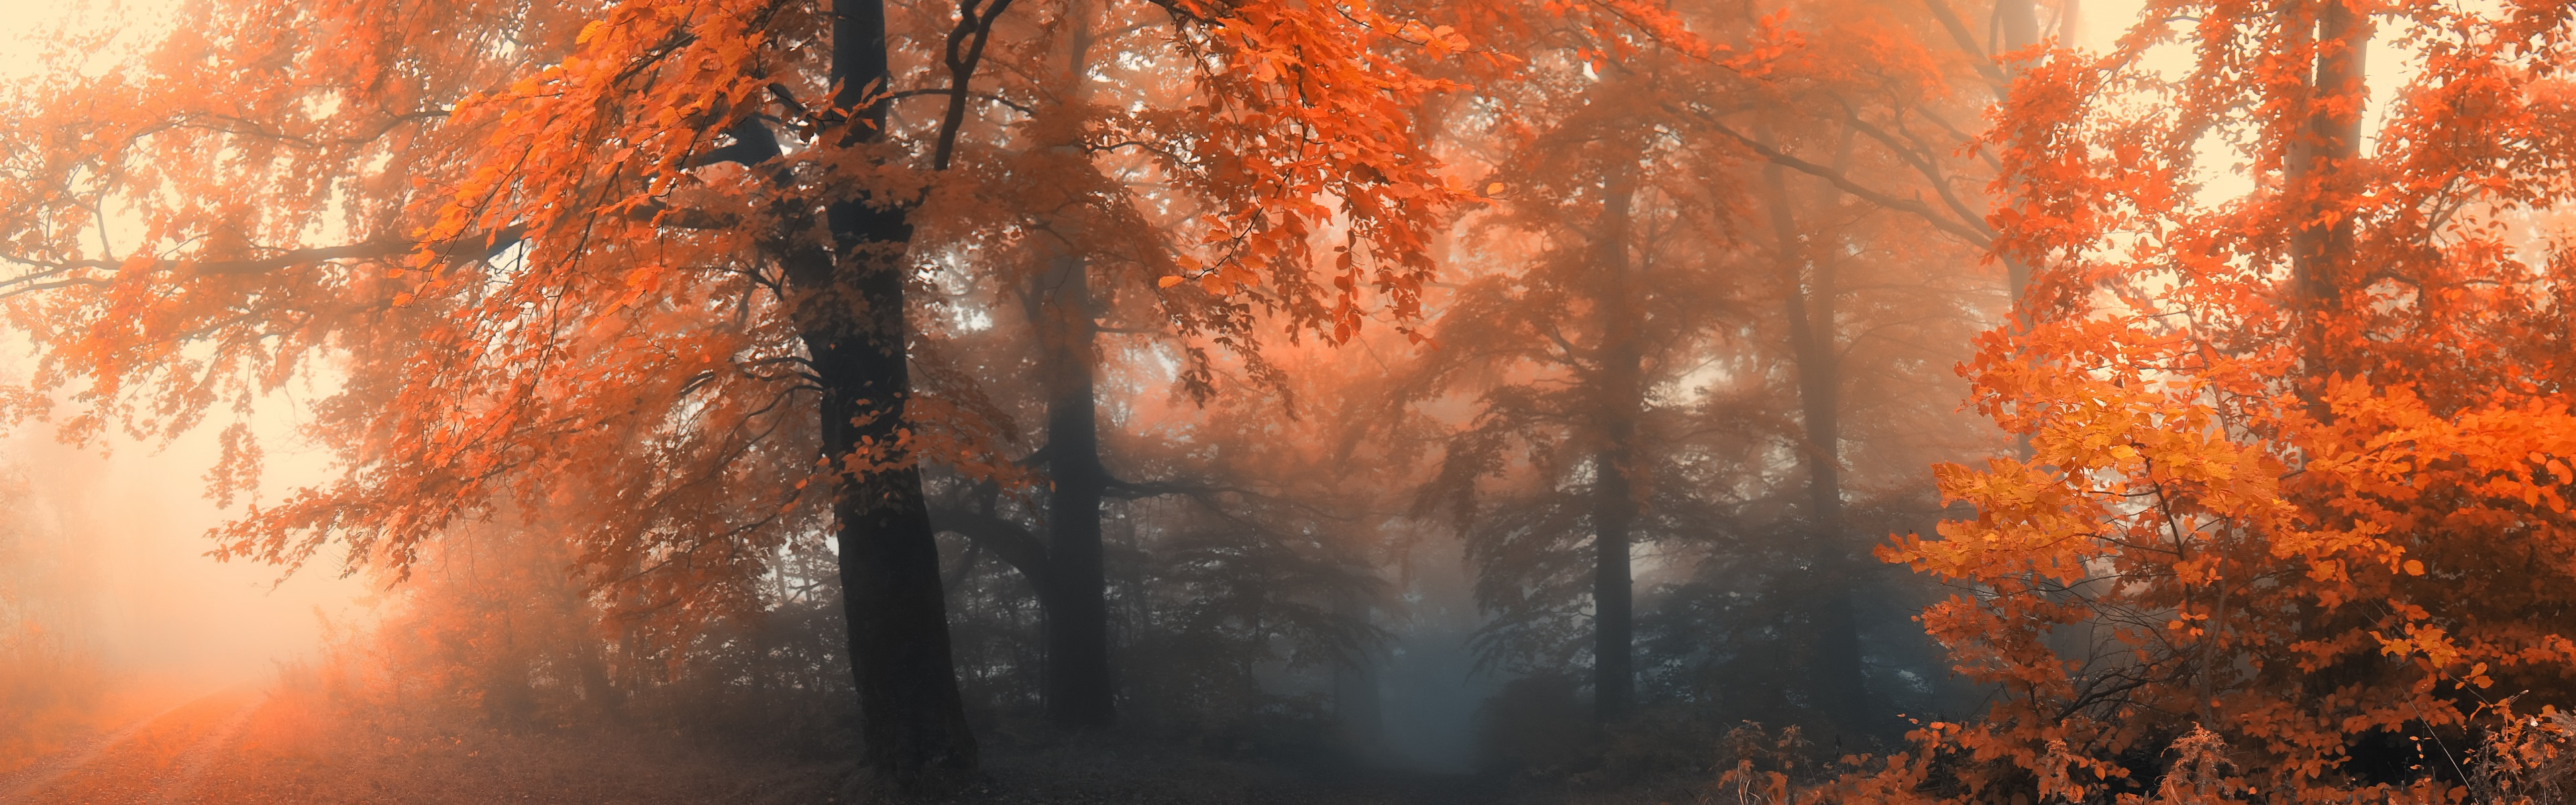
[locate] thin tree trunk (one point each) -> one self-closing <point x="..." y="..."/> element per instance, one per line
<point x="1081" y="693"/>
<point x="2320" y="178"/>
<point x="850" y="311"/>
<point x="1614" y="502"/>
<point x="2018" y="23"/>
<point x="604" y="698"/>
<point x="1838" y="680"/>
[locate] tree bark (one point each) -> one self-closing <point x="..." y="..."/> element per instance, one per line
<point x="2319" y="177"/>
<point x="1839" y="682"/>
<point x="1614" y="501"/>
<point x="2018" y="23"/>
<point x="1081" y="692"/>
<point x="603" y="697"/>
<point x="850" y="310"/>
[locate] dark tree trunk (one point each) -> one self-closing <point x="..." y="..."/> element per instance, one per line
<point x="1614" y="491"/>
<point x="850" y="310"/>
<point x="1081" y="693"/>
<point x="2320" y="178"/>
<point x="1835" y="673"/>
<point x="596" y="691"/>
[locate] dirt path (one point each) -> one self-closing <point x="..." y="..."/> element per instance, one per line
<point x="17" y="784"/>
<point x="154" y="761"/>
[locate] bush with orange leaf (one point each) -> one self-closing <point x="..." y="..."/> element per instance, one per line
<point x="2297" y="472"/>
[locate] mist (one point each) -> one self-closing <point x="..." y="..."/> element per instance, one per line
<point x="1785" y="402"/>
<point x="131" y="525"/>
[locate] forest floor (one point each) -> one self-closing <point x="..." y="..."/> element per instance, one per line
<point x="245" y="746"/>
<point x="1147" y="774"/>
<point x="242" y="746"/>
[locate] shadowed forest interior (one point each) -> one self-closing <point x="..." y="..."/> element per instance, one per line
<point x="1335" y="401"/>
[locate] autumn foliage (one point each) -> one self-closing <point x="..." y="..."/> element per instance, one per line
<point x="954" y="366"/>
<point x="571" y="256"/>
<point x="2297" y="478"/>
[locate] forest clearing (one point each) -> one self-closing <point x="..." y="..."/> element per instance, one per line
<point x="1794" y="402"/>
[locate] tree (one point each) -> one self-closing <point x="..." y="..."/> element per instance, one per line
<point x="664" y="252"/>
<point x="2270" y="491"/>
<point x="1077" y="182"/>
<point x="1863" y="102"/>
<point x="1563" y="355"/>
<point x="1246" y="551"/>
<point x="1259" y="560"/>
<point x="1743" y="307"/>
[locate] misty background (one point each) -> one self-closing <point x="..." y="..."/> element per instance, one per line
<point x="1408" y="671"/>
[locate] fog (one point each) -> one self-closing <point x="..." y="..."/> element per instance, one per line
<point x="119" y="619"/>
<point x="131" y="520"/>
<point x="1798" y="401"/>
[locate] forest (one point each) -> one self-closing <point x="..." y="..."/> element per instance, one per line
<point x="1792" y="402"/>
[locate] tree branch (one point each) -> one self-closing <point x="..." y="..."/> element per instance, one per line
<point x="1012" y="542"/>
<point x="494" y="243"/>
<point x="969" y="36"/>
<point x="1973" y="231"/>
<point x="1968" y="42"/>
<point x="1931" y="170"/>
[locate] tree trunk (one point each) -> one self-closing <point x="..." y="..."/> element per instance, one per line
<point x="1081" y="693"/>
<point x="603" y="697"/>
<point x="1836" y="676"/>
<point x="850" y="310"/>
<point x="2018" y="23"/>
<point x="1614" y="495"/>
<point x="2319" y="176"/>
